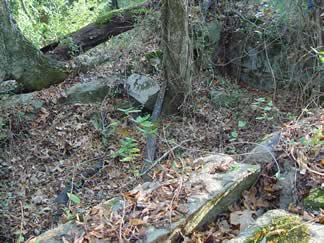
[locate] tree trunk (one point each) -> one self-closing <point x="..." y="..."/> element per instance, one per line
<point x="114" y="4"/>
<point x="177" y="54"/>
<point x="21" y="61"/>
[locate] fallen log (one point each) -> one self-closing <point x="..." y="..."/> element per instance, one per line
<point x="106" y="26"/>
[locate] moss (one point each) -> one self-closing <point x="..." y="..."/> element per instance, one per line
<point x="285" y="229"/>
<point x="154" y="54"/>
<point x="107" y="17"/>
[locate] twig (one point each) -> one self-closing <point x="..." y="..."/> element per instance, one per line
<point x="122" y="224"/>
<point x="176" y="194"/>
<point x="267" y="150"/>
<point x="22" y="218"/>
<point x="163" y="156"/>
<point x="272" y="72"/>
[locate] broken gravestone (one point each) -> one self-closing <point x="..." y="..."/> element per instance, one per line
<point x="143" y="89"/>
<point x="279" y="223"/>
<point x="215" y="184"/>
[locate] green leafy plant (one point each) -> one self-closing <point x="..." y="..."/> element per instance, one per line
<point x="265" y="106"/>
<point x="72" y="46"/>
<point x="129" y="111"/>
<point x="234" y="136"/>
<point x="145" y="125"/>
<point x="316" y="139"/>
<point x="69" y="214"/>
<point x="242" y="124"/>
<point x="73" y="198"/>
<point x="106" y="131"/>
<point x="128" y="150"/>
<point x="20" y="239"/>
<point x="321" y="57"/>
<point x="235" y="167"/>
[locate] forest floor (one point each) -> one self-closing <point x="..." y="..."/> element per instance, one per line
<point x="63" y="143"/>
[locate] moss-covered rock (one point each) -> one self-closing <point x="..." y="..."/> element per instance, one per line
<point x="279" y="226"/>
<point x="283" y="229"/>
<point x="90" y="92"/>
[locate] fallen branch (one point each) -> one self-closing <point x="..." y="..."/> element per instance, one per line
<point x="152" y="165"/>
<point x="106" y="26"/>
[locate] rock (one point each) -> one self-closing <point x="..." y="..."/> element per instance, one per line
<point x="265" y="151"/>
<point x="143" y="89"/>
<point x="69" y="232"/>
<point x="90" y="92"/>
<point x="23" y="100"/>
<point x="223" y="99"/>
<point x="27" y="104"/>
<point x="37" y="200"/>
<point x="315" y="199"/>
<point x="316" y="231"/>
<point x="287" y="184"/>
<point x="8" y="86"/>
<point x="259" y="66"/>
<point x="221" y="190"/>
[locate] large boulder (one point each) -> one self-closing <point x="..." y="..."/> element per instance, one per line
<point x="143" y="89"/>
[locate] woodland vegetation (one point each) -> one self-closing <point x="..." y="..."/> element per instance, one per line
<point x="161" y="121"/>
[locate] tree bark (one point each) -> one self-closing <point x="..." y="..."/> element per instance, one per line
<point x="21" y="61"/>
<point x="114" y="23"/>
<point x="177" y="53"/>
<point x="114" y="4"/>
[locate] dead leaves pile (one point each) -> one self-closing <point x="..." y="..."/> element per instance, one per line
<point x="157" y="204"/>
<point x="44" y="153"/>
<point x="303" y="141"/>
